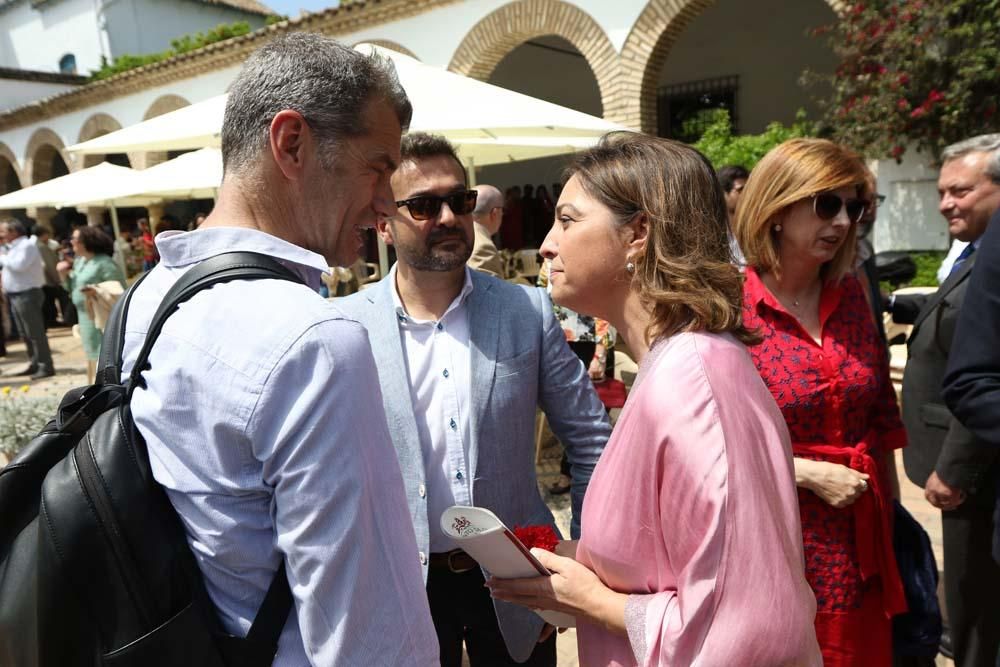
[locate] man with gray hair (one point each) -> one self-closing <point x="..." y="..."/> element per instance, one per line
<point x="23" y="280"/>
<point x="957" y="470"/>
<point x="486" y="219"/>
<point x="261" y="408"/>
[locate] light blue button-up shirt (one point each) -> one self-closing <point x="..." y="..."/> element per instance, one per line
<point x="264" y="422"/>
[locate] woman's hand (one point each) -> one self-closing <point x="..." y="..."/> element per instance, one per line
<point x="836" y="484"/>
<point x="596" y="370"/>
<point x="572" y="588"/>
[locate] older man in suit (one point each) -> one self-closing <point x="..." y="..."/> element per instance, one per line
<point x="463" y="360"/>
<point x="486" y="220"/>
<point x="957" y="469"/>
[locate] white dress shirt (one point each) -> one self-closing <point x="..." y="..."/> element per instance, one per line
<point x="438" y="361"/>
<point x="23" y="268"/>
<point x="264" y="422"/>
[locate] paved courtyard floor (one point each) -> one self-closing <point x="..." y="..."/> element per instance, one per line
<point x="71" y="366"/>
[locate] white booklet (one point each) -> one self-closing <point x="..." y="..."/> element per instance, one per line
<point x="484" y="537"/>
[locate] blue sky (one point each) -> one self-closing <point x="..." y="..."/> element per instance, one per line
<point x="291" y="7"/>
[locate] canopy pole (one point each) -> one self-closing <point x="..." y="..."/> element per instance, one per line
<point x="114" y="220"/>
<point x="470" y="171"/>
<point x="118" y="256"/>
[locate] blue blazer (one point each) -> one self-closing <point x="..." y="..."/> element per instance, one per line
<point x="519" y="361"/>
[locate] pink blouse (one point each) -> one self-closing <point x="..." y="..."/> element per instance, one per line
<point x="692" y="509"/>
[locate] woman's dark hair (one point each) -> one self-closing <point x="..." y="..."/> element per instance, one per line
<point x="95" y="241"/>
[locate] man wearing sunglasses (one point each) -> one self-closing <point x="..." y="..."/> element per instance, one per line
<point x="957" y="470"/>
<point x="464" y="359"/>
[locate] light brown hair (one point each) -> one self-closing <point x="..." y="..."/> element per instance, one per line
<point x="685" y="274"/>
<point x="795" y="170"/>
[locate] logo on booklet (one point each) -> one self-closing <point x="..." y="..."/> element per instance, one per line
<point x="464" y="527"/>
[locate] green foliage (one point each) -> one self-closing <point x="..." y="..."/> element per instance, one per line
<point x="922" y="72"/>
<point x="275" y="18"/>
<point x="722" y="147"/>
<point x="928" y="262"/>
<point x="22" y="417"/>
<point x="182" y="44"/>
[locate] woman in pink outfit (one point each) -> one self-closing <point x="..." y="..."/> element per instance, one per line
<point x="691" y="551"/>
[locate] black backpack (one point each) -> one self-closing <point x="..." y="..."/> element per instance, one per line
<point x="95" y="568"/>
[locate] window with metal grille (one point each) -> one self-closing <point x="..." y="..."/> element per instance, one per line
<point x="684" y="109"/>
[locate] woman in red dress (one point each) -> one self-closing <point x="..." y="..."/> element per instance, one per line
<point x="826" y="367"/>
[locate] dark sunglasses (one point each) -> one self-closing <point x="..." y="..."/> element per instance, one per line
<point x="827" y="206"/>
<point x="426" y="207"/>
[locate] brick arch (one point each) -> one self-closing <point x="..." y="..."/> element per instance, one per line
<point x="43" y="138"/>
<point x="388" y="44"/>
<point x="97" y="125"/>
<point x="165" y="104"/>
<point x="503" y="30"/>
<point x="9" y="160"/>
<point x="645" y="51"/>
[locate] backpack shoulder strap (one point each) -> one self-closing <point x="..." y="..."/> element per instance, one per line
<point x="109" y="366"/>
<point x="219" y="269"/>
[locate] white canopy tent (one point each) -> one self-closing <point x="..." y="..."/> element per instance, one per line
<point x="490" y="124"/>
<point x="195" y="175"/>
<point x="195" y="126"/>
<point x="71" y="186"/>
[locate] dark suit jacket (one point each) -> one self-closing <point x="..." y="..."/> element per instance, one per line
<point x="972" y="382"/>
<point x="938" y="441"/>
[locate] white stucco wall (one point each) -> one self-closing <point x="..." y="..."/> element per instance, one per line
<point x="735" y="37"/>
<point x="14" y="93"/>
<point x="909" y="218"/>
<point x="147" y="26"/>
<point x="35" y="39"/>
<point x="126" y="110"/>
<point x="434" y="36"/>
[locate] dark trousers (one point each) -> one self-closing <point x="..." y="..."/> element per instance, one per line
<point x="27" y="307"/>
<point x="462" y="610"/>
<point x="972" y="582"/>
<point x="585" y="351"/>
<point x="55" y="294"/>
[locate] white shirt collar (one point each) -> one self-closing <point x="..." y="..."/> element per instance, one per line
<point x="178" y="248"/>
<point x="401" y="313"/>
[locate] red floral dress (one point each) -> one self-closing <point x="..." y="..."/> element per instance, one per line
<point x="840" y="406"/>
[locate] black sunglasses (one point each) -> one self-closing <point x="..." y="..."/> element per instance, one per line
<point x="827" y="206"/>
<point x="426" y="207"/>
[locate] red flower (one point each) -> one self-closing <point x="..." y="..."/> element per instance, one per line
<point x="897" y="151"/>
<point x="902" y="104"/>
<point x="918" y="112"/>
<point x="904" y="78"/>
<point x="542" y="537"/>
<point x="935" y="96"/>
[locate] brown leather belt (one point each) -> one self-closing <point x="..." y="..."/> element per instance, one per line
<point x="456" y="561"/>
